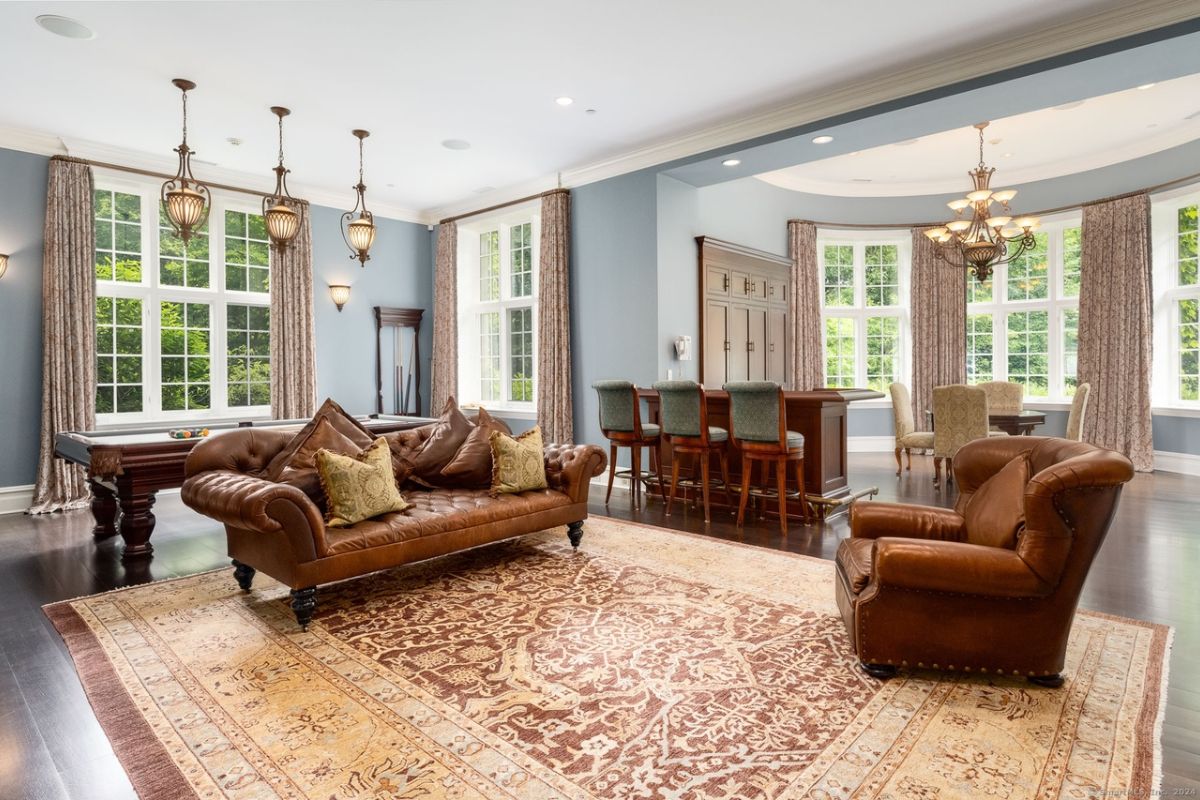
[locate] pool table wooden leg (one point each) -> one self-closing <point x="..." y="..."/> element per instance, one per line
<point x="137" y="520"/>
<point x="104" y="510"/>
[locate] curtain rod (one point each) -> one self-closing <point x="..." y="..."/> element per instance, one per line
<point x="152" y="174"/>
<point x="899" y="225"/>
<point x="499" y="206"/>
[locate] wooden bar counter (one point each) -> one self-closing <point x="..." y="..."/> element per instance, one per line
<point x="819" y="415"/>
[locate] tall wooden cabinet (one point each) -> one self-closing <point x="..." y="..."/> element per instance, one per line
<point x="743" y="313"/>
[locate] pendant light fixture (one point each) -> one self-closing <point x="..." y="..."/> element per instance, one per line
<point x="186" y="199"/>
<point x="283" y="222"/>
<point x="358" y="224"/>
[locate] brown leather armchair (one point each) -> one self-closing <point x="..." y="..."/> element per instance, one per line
<point x="918" y="587"/>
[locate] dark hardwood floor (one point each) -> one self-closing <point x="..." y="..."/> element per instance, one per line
<point x="52" y="747"/>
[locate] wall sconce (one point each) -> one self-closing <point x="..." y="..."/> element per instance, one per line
<point x="340" y="295"/>
<point x="3" y="264"/>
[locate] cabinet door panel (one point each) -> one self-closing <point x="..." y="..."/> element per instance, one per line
<point x="739" y="362"/>
<point x="739" y="284"/>
<point x="777" y="292"/>
<point x="777" y="359"/>
<point x="760" y="287"/>
<point x="717" y="281"/>
<point x="756" y="344"/>
<point x="715" y="340"/>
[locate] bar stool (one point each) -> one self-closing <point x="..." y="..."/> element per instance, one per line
<point x="621" y="423"/>
<point x="684" y="417"/>
<point x="758" y="418"/>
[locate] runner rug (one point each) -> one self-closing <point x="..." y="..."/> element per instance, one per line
<point x="648" y="664"/>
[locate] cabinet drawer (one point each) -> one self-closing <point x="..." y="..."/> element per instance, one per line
<point x="717" y="281"/>
<point x="739" y="284"/>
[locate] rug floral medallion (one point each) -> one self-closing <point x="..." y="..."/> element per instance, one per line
<point x="650" y="664"/>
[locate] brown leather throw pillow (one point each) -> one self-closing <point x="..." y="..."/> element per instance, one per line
<point x="449" y="433"/>
<point x="301" y="470"/>
<point x="995" y="514"/>
<point x="472" y="465"/>
<point x="341" y="422"/>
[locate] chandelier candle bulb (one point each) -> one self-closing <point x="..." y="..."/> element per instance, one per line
<point x="1004" y="195"/>
<point x="997" y="222"/>
<point x="958" y="205"/>
<point x="979" y="195"/>
<point x="935" y="233"/>
<point x="958" y="225"/>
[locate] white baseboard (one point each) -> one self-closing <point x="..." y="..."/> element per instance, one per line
<point x="15" y="499"/>
<point x="870" y="444"/>
<point x="1184" y="463"/>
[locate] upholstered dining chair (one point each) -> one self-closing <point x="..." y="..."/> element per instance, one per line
<point x="1003" y="397"/>
<point x="960" y="415"/>
<point x="684" y="417"/>
<point x="758" y="424"/>
<point x="621" y="423"/>
<point x="908" y="437"/>
<point x="1078" y="412"/>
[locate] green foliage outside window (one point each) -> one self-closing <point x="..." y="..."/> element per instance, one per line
<point x="1189" y="349"/>
<point x="182" y="264"/>
<point x="1028" y="351"/>
<point x="1072" y="252"/>
<point x="1189" y="234"/>
<point x="1028" y="276"/>
<point x="882" y="275"/>
<point x="520" y="333"/>
<point x="839" y="352"/>
<point x="248" y="355"/>
<point x="521" y="252"/>
<point x="186" y="379"/>
<point x="118" y="355"/>
<point x="883" y="352"/>
<point x="980" y="348"/>
<point x="839" y="274"/>
<point x="247" y="253"/>
<point x="118" y="236"/>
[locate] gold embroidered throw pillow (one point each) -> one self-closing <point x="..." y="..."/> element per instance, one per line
<point x="518" y="465"/>
<point x="359" y="487"/>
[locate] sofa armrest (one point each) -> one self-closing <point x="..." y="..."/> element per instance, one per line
<point x="243" y="501"/>
<point x="571" y="467"/>
<point x="954" y="567"/>
<point x="872" y="520"/>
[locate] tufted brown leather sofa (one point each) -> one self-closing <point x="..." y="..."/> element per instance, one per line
<point x="278" y="529"/>
<point x="915" y="590"/>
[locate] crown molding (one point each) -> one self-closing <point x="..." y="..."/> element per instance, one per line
<point x="36" y="142"/>
<point x="964" y="64"/>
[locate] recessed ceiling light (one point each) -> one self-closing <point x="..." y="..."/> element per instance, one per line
<point x="589" y="111"/>
<point x="235" y="141"/>
<point x="391" y="186"/>
<point x="456" y="144"/>
<point x="1145" y="86"/>
<point x="564" y="101"/>
<point x="861" y="180"/>
<point x="1008" y="155"/>
<point x="65" y="26"/>
<point x="822" y="139"/>
<point x="731" y="162"/>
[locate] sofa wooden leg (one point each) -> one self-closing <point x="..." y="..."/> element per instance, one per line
<point x="1048" y="681"/>
<point x="881" y="671"/>
<point x="244" y="574"/>
<point x="304" y="603"/>
<point x="575" y="533"/>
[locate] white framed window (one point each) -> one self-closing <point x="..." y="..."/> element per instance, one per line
<point x="1023" y="322"/>
<point x="182" y="331"/>
<point x="1176" y="248"/>
<point x="497" y="310"/>
<point x="864" y="307"/>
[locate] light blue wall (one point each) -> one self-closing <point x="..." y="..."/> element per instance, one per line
<point x="399" y="274"/>
<point x="22" y="212"/>
<point x="614" y="289"/>
<point x="678" y="309"/>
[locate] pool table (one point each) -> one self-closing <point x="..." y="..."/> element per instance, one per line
<point x="126" y="468"/>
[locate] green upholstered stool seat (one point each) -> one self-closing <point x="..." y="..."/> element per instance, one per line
<point x="621" y="423"/>
<point x="683" y="413"/>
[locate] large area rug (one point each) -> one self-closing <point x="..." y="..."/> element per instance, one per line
<point x="649" y="664"/>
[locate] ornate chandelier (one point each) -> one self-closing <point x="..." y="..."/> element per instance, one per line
<point x="186" y="199"/>
<point x="989" y="237"/>
<point x="283" y="223"/>
<point x="358" y="224"/>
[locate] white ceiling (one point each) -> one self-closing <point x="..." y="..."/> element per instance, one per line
<point x="417" y="72"/>
<point x="1038" y="145"/>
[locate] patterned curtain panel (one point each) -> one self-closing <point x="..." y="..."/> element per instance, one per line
<point x="804" y="306"/>
<point x="1115" y="326"/>
<point x="554" y="409"/>
<point x="445" y="317"/>
<point x="68" y="332"/>
<point x="939" y="320"/>
<point x="293" y="344"/>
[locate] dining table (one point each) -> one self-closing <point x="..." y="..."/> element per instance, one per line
<point x="1019" y="423"/>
